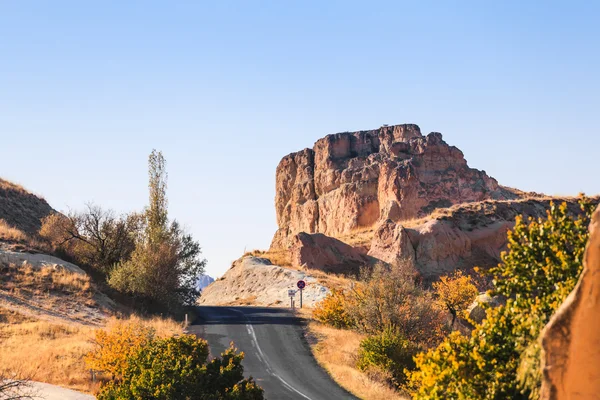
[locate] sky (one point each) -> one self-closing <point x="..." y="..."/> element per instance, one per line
<point x="225" y="89"/>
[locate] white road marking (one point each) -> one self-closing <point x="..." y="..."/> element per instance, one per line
<point x="263" y="358"/>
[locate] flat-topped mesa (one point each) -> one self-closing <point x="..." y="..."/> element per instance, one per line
<point x="352" y="180"/>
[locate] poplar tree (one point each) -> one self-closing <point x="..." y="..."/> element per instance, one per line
<point x="166" y="262"/>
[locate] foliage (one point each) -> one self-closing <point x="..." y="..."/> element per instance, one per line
<point x="499" y="360"/>
<point x="176" y="368"/>
<point x="93" y="237"/>
<point x="166" y="261"/>
<point x="385" y="298"/>
<point x="529" y="374"/>
<point x="545" y="254"/>
<point x="456" y="292"/>
<point x="387" y="350"/>
<point x="333" y="311"/>
<point x="389" y="298"/>
<point x="114" y="347"/>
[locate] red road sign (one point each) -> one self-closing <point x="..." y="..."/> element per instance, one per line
<point x="301" y="284"/>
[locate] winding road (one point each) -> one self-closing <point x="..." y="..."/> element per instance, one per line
<point x="277" y="355"/>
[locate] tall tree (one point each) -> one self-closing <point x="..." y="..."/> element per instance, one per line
<point x="167" y="261"/>
<point x="156" y="214"/>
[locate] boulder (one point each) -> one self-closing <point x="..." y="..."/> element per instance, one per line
<point x="391" y="243"/>
<point x="477" y="310"/>
<point x="317" y="251"/>
<point x="571" y="340"/>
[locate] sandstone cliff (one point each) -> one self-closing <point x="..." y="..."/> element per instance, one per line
<point x="353" y="180"/>
<point x="571" y="340"/>
<point x="460" y="237"/>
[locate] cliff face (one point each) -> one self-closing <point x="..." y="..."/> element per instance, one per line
<point x="460" y="237"/>
<point x="353" y="180"/>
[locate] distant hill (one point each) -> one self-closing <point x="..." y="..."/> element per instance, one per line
<point x="21" y="209"/>
<point x="204" y="281"/>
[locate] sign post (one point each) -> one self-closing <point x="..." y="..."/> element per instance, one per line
<point x="301" y="285"/>
<point x="291" y="293"/>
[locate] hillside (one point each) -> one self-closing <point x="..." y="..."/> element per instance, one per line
<point x="21" y="209"/>
<point x="256" y="281"/>
<point x="50" y="308"/>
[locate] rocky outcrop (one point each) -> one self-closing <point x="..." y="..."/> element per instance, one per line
<point x="255" y="281"/>
<point x="354" y="180"/>
<point x="478" y="309"/>
<point x="21" y="209"/>
<point x="459" y="237"/>
<point x="391" y="244"/>
<point x="325" y="253"/>
<point x="571" y="340"/>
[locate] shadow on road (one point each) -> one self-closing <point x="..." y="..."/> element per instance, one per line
<point x="245" y="315"/>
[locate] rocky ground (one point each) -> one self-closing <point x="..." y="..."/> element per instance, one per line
<point x="255" y="281"/>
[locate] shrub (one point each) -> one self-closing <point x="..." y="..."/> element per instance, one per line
<point x="500" y="360"/>
<point x="388" y="351"/>
<point x="456" y="292"/>
<point x="389" y="298"/>
<point x="176" y="368"/>
<point x="333" y="311"/>
<point x="113" y="347"/>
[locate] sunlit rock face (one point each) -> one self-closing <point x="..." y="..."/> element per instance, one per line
<point x="571" y="340"/>
<point x="354" y="180"/>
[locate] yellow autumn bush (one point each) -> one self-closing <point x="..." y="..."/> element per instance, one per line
<point x="456" y="292"/>
<point x="124" y="337"/>
<point x="333" y="311"/>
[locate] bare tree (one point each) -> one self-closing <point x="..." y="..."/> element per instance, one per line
<point x="95" y="237"/>
<point x="13" y="387"/>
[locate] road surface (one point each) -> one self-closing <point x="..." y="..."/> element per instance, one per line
<point x="277" y="355"/>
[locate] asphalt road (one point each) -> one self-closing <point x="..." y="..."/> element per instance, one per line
<point x="277" y="355"/>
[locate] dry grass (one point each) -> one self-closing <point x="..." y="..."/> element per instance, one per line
<point x="359" y="237"/>
<point x="54" y="353"/>
<point x="20" y="240"/>
<point x="27" y="280"/>
<point x="277" y="257"/>
<point x="53" y="294"/>
<point x="162" y="327"/>
<point x="7" y="185"/>
<point x="336" y="351"/>
<point x="47" y="352"/>
<point x="282" y="258"/>
<point x="10" y="233"/>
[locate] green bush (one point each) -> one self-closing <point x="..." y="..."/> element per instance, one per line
<point x="499" y="360"/>
<point x="388" y="351"/>
<point x="176" y="368"/>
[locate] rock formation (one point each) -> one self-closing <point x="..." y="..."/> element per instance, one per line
<point x="463" y="236"/>
<point x="354" y="180"/>
<point x="571" y="340"/>
<point x="328" y="254"/>
<point x="255" y="281"/>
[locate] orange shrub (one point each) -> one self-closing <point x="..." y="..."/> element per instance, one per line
<point x="333" y="311"/>
<point x="114" y="346"/>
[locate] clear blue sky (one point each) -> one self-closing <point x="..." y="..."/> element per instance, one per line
<point x="225" y="89"/>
